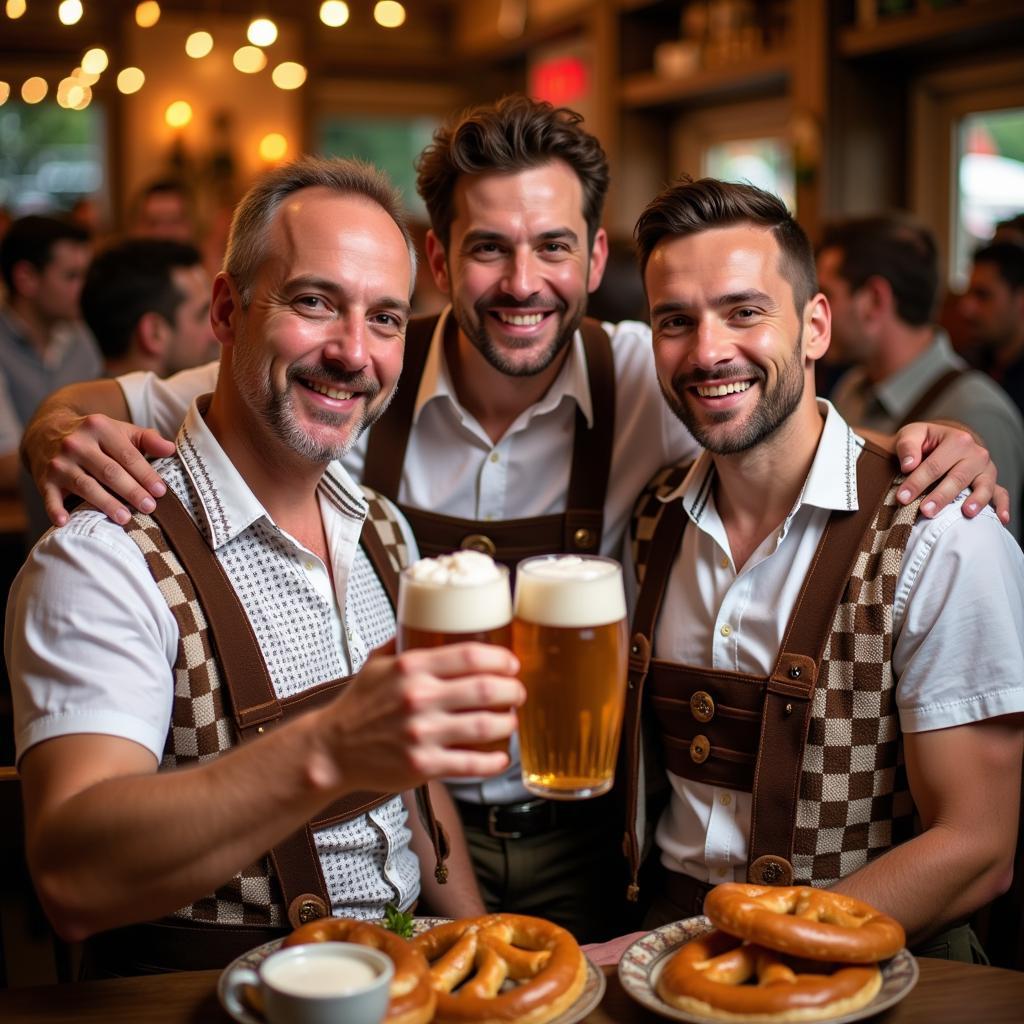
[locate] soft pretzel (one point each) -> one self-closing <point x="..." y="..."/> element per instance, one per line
<point x="812" y="923"/>
<point x="471" y="959"/>
<point x="412" y="995"/>
<point x="708" y="976"/>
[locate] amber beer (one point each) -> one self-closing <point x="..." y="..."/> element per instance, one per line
<point x="452" y="598"/>
<point x="569" y="633"/>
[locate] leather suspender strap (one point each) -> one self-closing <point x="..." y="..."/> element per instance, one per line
<point x="380" y="560"/>
<point x="664" y="545"/>
<point x="924" y="403"/>
<point x="389" y="436"/>
<point x="786" y="713"/>
<point x="592" y="445"/>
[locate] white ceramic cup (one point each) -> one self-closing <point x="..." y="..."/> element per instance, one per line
<point x="319" y="983"/>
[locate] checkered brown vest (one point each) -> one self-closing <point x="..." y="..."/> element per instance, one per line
<point x="207" y="718"/>
<point x="820" y="735"/>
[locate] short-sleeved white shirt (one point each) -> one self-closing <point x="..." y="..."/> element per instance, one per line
<point x="91" y="642"/>
<point x="958" y="629"/>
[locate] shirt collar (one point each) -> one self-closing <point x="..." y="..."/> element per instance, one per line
<point x="831" y="482"/>
<point x="572" y="380"/>
<point x="227" y="505"/>
<point x="898" y="393"/>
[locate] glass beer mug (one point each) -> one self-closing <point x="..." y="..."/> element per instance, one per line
<point x="570" y="636"/>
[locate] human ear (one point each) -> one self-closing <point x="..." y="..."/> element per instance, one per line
<point x="437" y="258"/>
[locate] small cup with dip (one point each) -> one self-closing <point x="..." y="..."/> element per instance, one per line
<point x="318" y="983"/>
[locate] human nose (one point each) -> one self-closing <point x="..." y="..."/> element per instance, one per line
<point x="347" y="343"/>
<point x="711" y="344"/>
<point x="521" y="279"/>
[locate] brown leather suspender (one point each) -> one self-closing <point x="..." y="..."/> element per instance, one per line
<point x="924" y="403"/>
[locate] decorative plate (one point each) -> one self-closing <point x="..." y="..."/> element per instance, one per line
<point x="642" y="963"/>
<point x="593" y="988"/>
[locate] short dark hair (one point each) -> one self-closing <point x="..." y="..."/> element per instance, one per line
<point x="690" y="207"/>
<point x="129" y="280"/>
<point x="1008" y="259"/>
<point x="514" y="134"/>
<point x="32" y="239"/>
<point x="896" y="247"/>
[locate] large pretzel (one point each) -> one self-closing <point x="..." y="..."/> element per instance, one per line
<point x="709" y="976"/>
<point x="803" y="921"/>
<point x="471" y="959"/>
<point x="412" y="995"/>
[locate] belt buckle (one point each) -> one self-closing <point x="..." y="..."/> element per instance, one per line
<point x="492" y="825"/>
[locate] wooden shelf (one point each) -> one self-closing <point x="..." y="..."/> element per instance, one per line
<point x="925" y="26"/>
<point x="767" y="70"/>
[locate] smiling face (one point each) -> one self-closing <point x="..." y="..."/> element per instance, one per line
<point x="317" y="353"/>
<point x="733" y="357"/>
<point x="518" y="266"/>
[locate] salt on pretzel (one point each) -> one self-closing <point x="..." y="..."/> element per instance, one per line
<point x="812" y="923"/>
<point x="412" y="999"/>
<point x="471" y="959"/>
<point x="708" y="976"/>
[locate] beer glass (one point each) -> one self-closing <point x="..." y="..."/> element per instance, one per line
<point x="570" y="635"/>
<point x="452" y="598"/>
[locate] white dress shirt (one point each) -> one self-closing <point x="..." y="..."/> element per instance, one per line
<point x="958" y="627"/>
<point x="452" y="467"/>
<point x="91" y="642"/>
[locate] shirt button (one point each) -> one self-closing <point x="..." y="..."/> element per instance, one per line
<point x="724" y="563"/>
<point x="721" y="872"/>
<point x="725" y="799"/>
<point x="308" y="566"/>
<point x="726" y="630"/>
<point x="495" y="457"/>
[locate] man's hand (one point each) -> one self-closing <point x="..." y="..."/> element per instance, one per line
<point x="409" y="718"/>
<point x="95" y="457"/>
<point x="950" y="455"/>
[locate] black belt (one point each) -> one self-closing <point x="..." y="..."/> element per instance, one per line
<point x="531" y="818"/>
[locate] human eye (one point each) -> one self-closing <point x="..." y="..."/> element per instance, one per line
<point x="388" y="322"/>
<point x="673" y="324"/>
<point x="311" y="304"/>
<point x="486" y="250"/>
<point x="554" y="248"/>
<point x="745" y="314"/>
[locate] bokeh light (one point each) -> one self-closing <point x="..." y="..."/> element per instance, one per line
<point x="130" y="80"/>
<point x="389" y="13"/>
<point x="199" y="44"/>
<point x="334" y="13"/>
<point x="147" y="14"/>
<point x="178" y="114"/>
<point x="288" y="75"/>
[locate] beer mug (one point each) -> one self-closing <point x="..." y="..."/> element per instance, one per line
<point x="570" y="635"/>
<point x="452" y="598"/>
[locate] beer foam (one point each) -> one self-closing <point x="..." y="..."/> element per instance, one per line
<point x="570" y="591"/>
<point x="465" y="592"/>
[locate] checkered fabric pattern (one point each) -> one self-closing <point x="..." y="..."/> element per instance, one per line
<point x="381" y="516"/>
<point x="201" y="730"/>
<point x="854" y="799"/>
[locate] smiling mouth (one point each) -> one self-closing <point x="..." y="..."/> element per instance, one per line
<point x="718" y="390"/>
<point x="324" y="389"/>
<point x="519" y="319"/>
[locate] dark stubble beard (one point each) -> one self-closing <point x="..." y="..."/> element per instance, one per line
<point x="772" y="410"/>
<point x="277" y="410"/>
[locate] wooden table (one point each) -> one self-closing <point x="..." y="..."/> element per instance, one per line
<point x="947" y="993"/>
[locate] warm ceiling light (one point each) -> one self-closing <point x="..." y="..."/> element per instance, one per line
<point x="199" y="44"/>
<point x="70" y="12"/>
<point x="5" y="92"/>
<point x="334" y="13"/>
<point x="147" y="14"/>
<point x="273" y="147"/>
<point x="70" y="92"/>
<point x="388" y="13"/>
<point x="33" y="89"/>
<point x="95" y="61"/>
<point x="130" y="80"/>
<point x="83" y="100"/>
<point x="178" y="114"/>
<point x="15" y="9"/>
<point x="261" y="32"/>
<point x="288" y="75"/>
<point x="249" y="59"/>
<point x="85" y="77"/>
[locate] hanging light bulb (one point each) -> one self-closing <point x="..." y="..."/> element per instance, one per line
<point x="288" y="75"/>
<point x="388" y="13"/>
<point x="70" y="12"/>
<point x="261" y="32"/>
<point x="95" y="61"/>
<point x="147" y="14"/>
<point x="34" y="89"/>
<point x="130" y="80"/>
<point x="178" y="114"/>
<point x="15" y="9"/>
<point x="334" y="13"/>
<point x="199" y="44"/>
<point x="249" y="59"/>
<point x="273" y="147"/>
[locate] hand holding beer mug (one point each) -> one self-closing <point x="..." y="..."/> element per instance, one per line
<point x="570" y="636"/>
<point x="454" y="598"/>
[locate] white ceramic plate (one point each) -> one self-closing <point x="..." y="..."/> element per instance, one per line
<point x="593" y="988"/>
<point x="642" y="963"/>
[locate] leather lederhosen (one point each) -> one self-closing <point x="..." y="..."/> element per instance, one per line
<point x="731" y="729"/>
<point x="577" y="530"/>
<point x="174" y="944"/>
